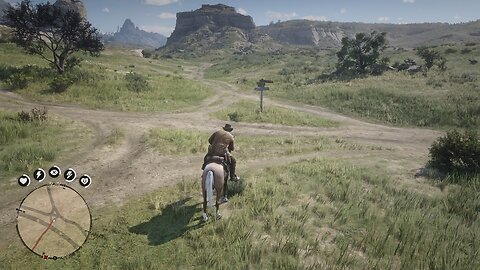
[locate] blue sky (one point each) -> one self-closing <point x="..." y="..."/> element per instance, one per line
<point x="159" y="15"/>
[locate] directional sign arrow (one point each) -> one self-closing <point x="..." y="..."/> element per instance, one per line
<point x="262" y="88"/>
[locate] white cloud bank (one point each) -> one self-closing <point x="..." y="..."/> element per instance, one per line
<point x="167" y="15"/>
<point x="315" y="18"/>
<point x="160" y="2"/>
<point x="383" y="19"/>
<point x="106" y="10"/>
<point x="409" y="1"/>
<point x="274" y="15"/>
<point x="242" y="11"/>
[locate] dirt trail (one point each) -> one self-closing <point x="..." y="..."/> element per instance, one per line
<point x="131" y="168"/>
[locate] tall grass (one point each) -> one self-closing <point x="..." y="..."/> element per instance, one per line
<point x="24" y="146"/>
<point x="315" y="214"/>
<point x="180" y="142"/>
<point x="248" y="111"/>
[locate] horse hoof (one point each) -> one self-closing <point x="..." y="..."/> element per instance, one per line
<point x="219" y="216"/>
<point x="205" y="217"/>
<point x="224" y="199"/>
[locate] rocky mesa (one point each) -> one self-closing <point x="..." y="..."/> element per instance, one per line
<point x="212" y="26"/>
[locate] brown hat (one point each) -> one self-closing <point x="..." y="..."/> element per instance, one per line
<point x="228" y="127"/>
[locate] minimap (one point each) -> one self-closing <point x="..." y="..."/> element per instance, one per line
<point x="53" y="221"/>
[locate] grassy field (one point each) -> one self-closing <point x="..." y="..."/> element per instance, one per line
<point x="101" y="82"/>
<point x="316" y="214"/>
<point x="180" y="142"/>
<point x="440" y="99"/>
<point x="25" y="146"/>
<point x="248" y="111"/>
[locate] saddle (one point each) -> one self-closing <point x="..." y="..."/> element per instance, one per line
<point x="224" y="161"/>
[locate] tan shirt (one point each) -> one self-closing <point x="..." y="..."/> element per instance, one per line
<point x="220" y="141"/>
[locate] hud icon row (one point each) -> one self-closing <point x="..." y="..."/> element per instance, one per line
<point x="54" y="172"/>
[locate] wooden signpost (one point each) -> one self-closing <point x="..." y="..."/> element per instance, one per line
<point x="261" y="87"/>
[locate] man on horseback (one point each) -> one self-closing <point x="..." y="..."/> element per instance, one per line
<point x="221" y="144"/>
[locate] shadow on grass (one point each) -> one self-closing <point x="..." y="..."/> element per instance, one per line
<point x="171" y="224"/>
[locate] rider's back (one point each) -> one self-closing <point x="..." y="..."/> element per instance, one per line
<point x="220" y="141"/>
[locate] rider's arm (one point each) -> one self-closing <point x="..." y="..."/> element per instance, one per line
<point x="210" y="140"/>
<point x="231" y="146"/>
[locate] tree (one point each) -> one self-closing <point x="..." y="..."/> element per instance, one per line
<point x="361" y="55"/>
<point x="53" y="33"/>
<point x="432" y="57"/>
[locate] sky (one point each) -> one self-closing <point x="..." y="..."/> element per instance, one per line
<point x="159" y="15"/>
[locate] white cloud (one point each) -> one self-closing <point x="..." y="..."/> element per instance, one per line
<point x="383" y="19"/>
<point x="343" y="11"/>
<point x="160" y="2"/>
<point x="315" y="18"/>
<point x="167" y="15"/>
<point x="409" y="1"/>
<point x="164" y="30"/>
<point x="106" y="10"/>
<point x="274" y="15"/>
<point x="242" y="11"/>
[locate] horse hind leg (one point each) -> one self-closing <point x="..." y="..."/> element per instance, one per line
<point x="204" y="214"/>
<point x="217" y="204"/>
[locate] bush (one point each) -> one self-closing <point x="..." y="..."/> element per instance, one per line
<point x="136" y="82"/>
<point x="35" y="115"/>
<point x="465" y="51"/>
<point x="60" y="83"/>
<point x="450" y="50"/>
<point x="234" y="116"/>
<point x="17" y="81"/>
<point x="456" y="152"/>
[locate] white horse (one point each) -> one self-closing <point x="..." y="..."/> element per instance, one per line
<point x="214" y="176"/>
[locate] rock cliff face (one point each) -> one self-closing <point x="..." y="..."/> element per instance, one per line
<point x="330" y="34"/>
<point x="3" y="7"/>
<point x="131" y="36"/>
<point x="209" y="18"/>
<point x="75" y="5"/>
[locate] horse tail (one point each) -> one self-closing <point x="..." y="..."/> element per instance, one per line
<point x="209" y="187"/>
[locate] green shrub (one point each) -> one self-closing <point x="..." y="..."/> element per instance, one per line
<point x="17" y="81"/>
<point x="35" y="115"/>
<point x="234" y="116"/>
<point x="456" y="152"/>
<point x="465" y="51"/>
<point x="60" y="83"/>
<point x="136" y="82"/>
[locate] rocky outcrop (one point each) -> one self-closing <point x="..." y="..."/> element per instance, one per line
<point x="131" y="36"/>
<point x="3" y="7"/>
<point x="330" y="34"/>
<point x="209" y="18"/>
<point x="75" y="5"/>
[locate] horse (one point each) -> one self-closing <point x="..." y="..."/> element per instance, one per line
<point x="214" y="176"/>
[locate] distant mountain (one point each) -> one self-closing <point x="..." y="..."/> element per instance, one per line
<point x="221" y="28"/>
<point x="131" y="36"/>
<point x="330" y="34"/>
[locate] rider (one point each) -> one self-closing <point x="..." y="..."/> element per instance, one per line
<point x="221" y="144"/>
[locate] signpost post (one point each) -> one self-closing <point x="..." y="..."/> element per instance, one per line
<point x="261" y="87"/>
